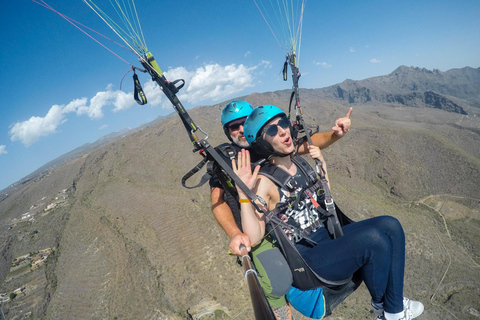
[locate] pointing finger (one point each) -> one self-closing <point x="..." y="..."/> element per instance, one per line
<point x="349" y="112"/>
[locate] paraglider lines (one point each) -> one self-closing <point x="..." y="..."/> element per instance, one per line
<point x="284" y="18"/>
<point x="135" y="42"/>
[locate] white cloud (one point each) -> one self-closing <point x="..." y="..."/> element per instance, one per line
<point x="119" y="99"/>
<point x="247" y="54"/>
<point x="262" y="67"/>
<point x="212" y="81"/>
<point x="179" y="73"/>
<point x="265" y="64"/>
<point x="373" y="60"/>
<point x="74" y="105"/>
<point x="209" y="82"/>
<point x="3" y="149"/>
<point x="28" y="132"/>
<point x="123" y="101"/>
<point x="100" y="100"/>
<point x="323" y="65"/>
<point x="351" y="49"/>
<point x="103" y="127"/>
<point x="153" y="93"/>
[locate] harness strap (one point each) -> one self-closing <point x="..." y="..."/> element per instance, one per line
<point x="194" y="170"/>
<point x="284" y="179"/>
<point x="297" y="233"/>
<point x="229" y="172"/>
<point x="333" y="222"/>
<point x="227" y="151"/>
<point x="138" y="93"/>
<point x="290" y="103"/>
<point x="170" y="90"/>
<point x="304" y="277"/>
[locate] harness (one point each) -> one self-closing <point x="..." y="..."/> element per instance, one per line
<point x="304" y="277"/>
<point x="227" y="152"/>
<point x="315" y="186"/>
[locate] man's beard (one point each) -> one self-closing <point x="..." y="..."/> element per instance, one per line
<point x="236" y="141"/>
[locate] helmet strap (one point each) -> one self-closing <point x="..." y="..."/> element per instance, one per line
<point x="227" y="132"/>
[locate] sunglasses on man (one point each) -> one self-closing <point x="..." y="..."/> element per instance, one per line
<point x="236" y="126"/>
<point x="272" y="129"/>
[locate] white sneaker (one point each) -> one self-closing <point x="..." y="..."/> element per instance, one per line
<point x="411" y="310"/>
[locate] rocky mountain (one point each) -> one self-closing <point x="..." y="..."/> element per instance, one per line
<point x="414" y="87"/>
<point x="126" y="241"/>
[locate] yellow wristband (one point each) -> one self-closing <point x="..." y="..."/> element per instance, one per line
<point x="244" y="200"/>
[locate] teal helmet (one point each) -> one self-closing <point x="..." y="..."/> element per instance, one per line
<point x="254" y="124"/>
<point x="233" y="111"/>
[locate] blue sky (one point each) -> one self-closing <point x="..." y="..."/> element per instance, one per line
<point x="60" y="89"/>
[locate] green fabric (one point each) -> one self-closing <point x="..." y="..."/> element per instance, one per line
<point x="266" y="244"/>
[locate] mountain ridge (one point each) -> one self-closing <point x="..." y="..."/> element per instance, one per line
<point x="414" y="87"/>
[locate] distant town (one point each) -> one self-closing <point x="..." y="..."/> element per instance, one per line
<point x="41" y="207"/>
<point x="20" y="266"/>
<point x="15" y="284"/>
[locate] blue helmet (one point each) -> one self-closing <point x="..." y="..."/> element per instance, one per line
<point x="254" y="124"/>
<point x="235" y="110"/>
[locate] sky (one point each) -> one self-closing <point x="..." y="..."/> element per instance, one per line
<point x="60" y="89"/>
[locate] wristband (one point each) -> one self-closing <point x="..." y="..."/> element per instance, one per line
<point x="244" y="200"/>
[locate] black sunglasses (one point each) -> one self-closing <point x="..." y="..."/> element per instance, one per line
<point x="236" y="126"/>
<point x="272" y="129"/>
